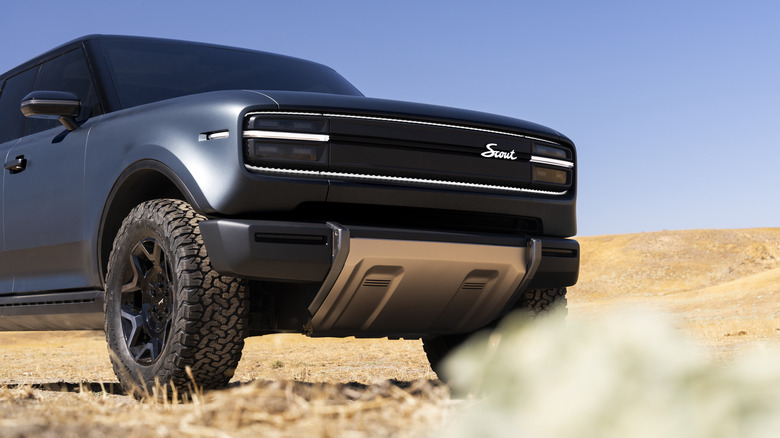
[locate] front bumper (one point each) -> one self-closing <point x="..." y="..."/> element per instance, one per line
<point x="390" y="282"/>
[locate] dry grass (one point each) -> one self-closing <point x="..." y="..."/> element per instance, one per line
<point x="720" y="286"/>
<point x="284" y="408"/>
<point x="60" y="384"/>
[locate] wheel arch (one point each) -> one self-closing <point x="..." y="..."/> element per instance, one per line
<point x="143" y="181"/>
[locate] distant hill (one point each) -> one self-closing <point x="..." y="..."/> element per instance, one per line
<point x="721" y="285"/>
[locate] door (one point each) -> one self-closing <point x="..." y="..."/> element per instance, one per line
<point x="6" y="273"/>
<point x="45" y="243"/>
<point x="44" y="212"/>
<point x="12" y="125"/>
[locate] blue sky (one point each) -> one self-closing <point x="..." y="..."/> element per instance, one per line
<point x="673" y="105"/>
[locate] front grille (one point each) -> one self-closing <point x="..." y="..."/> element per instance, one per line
<point x="405" y="152"/>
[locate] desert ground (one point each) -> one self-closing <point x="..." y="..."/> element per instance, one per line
<point x="720" y="288"/>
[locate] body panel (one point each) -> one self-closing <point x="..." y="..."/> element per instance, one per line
<point x="44" y="212"/>
<point x="6" y="270"/>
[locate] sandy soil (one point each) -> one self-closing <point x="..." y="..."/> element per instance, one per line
<point x="721" y="286"/>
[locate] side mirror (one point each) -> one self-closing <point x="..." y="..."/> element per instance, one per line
<point x="50" y="104"/>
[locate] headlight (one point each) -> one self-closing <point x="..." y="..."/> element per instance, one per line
<point x="308" y="125"/>
<point x="275" y="141"/>
<point x="551" y="151"/>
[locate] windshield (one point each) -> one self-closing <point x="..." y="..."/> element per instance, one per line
<point x="149" y="71"/>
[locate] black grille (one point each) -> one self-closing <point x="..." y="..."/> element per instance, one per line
<point x="405" y="152"/>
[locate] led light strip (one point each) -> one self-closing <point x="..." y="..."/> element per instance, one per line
<point x="552" y="162"/>
<point x="217" y="135"/>
<point x="413" y="122"/>
<point x="277" y="135"/>
<point x="326" y="174"/>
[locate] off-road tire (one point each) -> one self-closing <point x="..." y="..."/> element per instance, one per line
<point x="533" y="302"/>
<point x="538" y="302"/>
<point x="178" y="321"/>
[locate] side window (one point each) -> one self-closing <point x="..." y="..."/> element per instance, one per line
<point x="12" y="121"/>
<point x="67" y="72"/>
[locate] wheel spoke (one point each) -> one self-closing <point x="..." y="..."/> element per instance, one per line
<point x="135" y="266"/>
<point x="133" y="326"/>
<point x="147" y="304"/>
<point x="150" y="350"/>
<point x="142" y="351"/>
<point x="155" y="256"/>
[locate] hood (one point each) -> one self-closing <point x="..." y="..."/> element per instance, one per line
<point x="366" y="106"/>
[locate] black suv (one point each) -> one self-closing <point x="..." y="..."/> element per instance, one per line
<point x="184" y="196"/>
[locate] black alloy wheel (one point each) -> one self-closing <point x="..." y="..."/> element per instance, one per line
<point x="147" y="301"/>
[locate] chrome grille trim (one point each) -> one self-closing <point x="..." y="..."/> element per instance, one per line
<point x="385" y="178"/>
<point x="551" y="162"/>
<point x="281" y="135"/>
